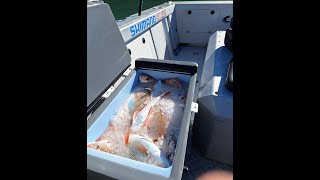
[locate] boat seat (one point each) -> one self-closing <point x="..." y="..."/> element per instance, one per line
<point x="217" y="60"/>
<point x="213" y="125"/>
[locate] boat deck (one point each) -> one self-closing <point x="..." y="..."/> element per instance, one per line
<point x="192" y="54"/>
<point x="197" y="164"/>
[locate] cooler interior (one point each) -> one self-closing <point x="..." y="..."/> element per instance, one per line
<point x="102" y="122"/>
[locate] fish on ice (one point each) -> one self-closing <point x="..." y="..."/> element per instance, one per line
<point x="139" y="117"/>
<point x="142" y="149"/>
<point x="142" y="93"/>
<point x="156" y="123"/>
<point x="103" y="145"/>
<point x="175" y="82"/>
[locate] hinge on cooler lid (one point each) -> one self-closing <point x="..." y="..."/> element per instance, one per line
<point x="127" y="72"/>
<point x="108" y="92"/>
<point x="194" y="107"/>
<point x="112" y="88"/>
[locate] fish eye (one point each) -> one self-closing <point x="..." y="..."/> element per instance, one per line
<point x="147" y="154"/>
<point x="98" y="147"/>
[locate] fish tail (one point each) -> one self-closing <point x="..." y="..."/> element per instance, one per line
<point x="99" y="139"/>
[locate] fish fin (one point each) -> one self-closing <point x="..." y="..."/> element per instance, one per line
<point x="134" y="116"/>
<point x="141" y="148"/>
<point x="99" y="139"/>
<point x="126" y="137"/>
<point x="139" y="108"/>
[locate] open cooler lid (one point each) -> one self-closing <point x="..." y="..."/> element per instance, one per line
<point x="107" y="55"/>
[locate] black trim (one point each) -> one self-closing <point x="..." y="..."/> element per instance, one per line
<point x="167" y="65"/>
<point x="140" y="7"/>
<point x="154" y="44"/>
<point x="95" y="106"/>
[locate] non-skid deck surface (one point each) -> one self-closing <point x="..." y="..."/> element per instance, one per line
<point x="192" y="54"/>
<point x="194" y="160"/>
